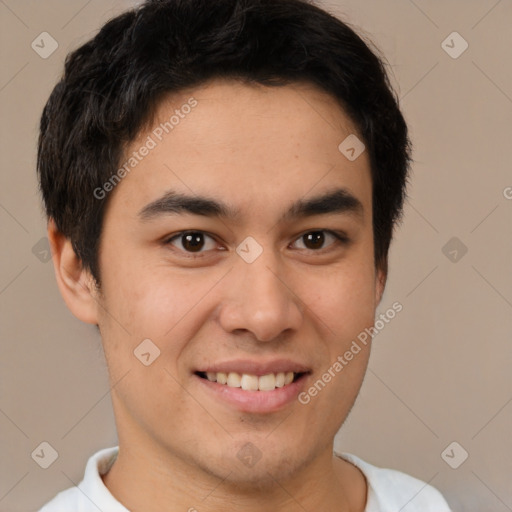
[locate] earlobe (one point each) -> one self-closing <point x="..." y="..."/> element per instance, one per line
<point x="76" y="285"/>
<point x="380" y="284"/>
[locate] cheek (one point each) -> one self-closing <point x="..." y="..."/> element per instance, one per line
<point x="345" y="304"/>
<point x="344" y="299"/>
<point x="354" y="306"/>
<point x="154" y="302"/>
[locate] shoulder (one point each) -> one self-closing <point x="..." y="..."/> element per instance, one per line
<point x="63" y="501"/>
<point x="390" y="490"/>
<point x="90" y="494"/>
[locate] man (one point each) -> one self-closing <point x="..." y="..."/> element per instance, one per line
<point x="221" y="181"/>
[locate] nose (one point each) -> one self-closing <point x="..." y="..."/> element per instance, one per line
<point x="260" y="299"/>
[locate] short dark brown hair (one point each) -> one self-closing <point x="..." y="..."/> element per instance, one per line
<point x="113" y="83"/>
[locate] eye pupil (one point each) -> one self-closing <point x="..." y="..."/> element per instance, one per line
<point x="315" y="239"/>
<point x="193" y="242"/>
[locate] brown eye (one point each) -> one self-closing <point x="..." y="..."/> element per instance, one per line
<point x="192" y="241"/>
<point x="315" y="240"/>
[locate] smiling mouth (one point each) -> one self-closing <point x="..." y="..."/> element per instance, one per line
<point x="248" y="382"/>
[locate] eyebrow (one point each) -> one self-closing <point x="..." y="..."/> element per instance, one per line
<point x="337" y="201"/>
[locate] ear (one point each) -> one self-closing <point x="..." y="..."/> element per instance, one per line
<point x="380" y="284"/>
<point x="76" y="285"/>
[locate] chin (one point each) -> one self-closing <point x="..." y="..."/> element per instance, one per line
<point x="249" y="469"/>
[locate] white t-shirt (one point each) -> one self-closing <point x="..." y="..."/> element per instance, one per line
<point x="388" y="490"/>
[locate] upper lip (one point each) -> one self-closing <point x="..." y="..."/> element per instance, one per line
<point x="258" y="368"/>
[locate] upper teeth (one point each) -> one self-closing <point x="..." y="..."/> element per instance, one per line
<point x="252" y="382"/>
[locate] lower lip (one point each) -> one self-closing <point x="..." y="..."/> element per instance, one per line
<point x="255" y="401"/>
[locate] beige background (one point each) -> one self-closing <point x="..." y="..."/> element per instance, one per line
<point x="440" y="371"/>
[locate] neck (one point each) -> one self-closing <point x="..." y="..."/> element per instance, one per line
<point x="144" y="479"/>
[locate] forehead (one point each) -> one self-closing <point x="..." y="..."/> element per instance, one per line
<point x="256" y="145"/>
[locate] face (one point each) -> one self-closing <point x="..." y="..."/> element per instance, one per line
<point x="241" y="245"/>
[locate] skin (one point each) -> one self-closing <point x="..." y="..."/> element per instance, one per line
<point x="257" y="149"/>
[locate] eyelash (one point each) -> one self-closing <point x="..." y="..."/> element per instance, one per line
<point x="340" y="239"/>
